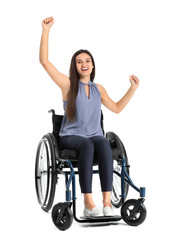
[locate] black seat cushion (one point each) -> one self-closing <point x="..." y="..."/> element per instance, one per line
<point x="73" y="156"/>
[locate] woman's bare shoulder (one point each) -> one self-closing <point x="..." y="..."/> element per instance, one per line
<point x="100" y="87"/>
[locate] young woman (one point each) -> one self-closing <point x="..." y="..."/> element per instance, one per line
<point x="80" y="127"/>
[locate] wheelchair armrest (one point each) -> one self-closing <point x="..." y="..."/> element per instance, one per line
<point x="115" y="142"/>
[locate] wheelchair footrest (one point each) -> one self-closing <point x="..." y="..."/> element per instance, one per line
<point x="103" y="218"/>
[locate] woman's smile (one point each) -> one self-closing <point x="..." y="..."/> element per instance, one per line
<point x="84" y="69"/>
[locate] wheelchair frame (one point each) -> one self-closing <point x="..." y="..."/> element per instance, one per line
<point x="133" y="212"/>
<point x="71" y="179"/>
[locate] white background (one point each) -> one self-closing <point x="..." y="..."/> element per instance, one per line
<point x="125" y="37"/>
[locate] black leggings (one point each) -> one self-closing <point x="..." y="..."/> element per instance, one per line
<point x="86" y="148"/>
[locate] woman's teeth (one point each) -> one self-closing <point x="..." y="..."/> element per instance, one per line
<point x="84" y="69"/>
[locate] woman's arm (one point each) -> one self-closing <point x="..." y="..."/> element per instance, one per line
<point x="120" y="105"/>
<point x="60" y="79"/>
<point x="43" y="53"/>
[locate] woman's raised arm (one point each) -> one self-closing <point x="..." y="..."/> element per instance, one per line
<point x="59" y="78"/>
<point x="120" y="105"/>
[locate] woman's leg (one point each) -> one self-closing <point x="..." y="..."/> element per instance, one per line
<point x="85" y="164"/>
<point x="104" y="155"/>
<point x="88" y="201"/>
<point x="106" y="199"/>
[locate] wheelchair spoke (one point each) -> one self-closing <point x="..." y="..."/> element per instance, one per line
<point x="116" y="198"/>
<point x="45" y="176"/>
<point x="116" y="191"/>
<point x="42" y="173"/>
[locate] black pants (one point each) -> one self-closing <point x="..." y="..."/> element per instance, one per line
<point x="86" y="148"/>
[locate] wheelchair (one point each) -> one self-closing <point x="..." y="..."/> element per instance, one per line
<point x="51" y="162"/>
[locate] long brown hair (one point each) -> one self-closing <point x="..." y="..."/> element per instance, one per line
<point x="74" y="84"/>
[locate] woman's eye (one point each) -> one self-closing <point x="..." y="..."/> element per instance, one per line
<point x="86" y="61"/>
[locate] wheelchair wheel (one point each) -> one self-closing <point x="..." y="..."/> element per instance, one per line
<point x="62" y="216"/>
<point x="116" y="199"/>
<point x="133" y="212"/>
<point x="45" y="172"/>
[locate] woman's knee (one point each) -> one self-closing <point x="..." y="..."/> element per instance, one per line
<point x="86" y="145"/>
<point x="101" y="142"/>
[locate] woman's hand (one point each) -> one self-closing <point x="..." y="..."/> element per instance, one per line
<point x="134" y="81"/>
<point x="47" y="23"/>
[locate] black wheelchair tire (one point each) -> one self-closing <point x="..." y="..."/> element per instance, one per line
<point x="128" y="217"/>
<point x="46" y="197"/>
<point x="117" y="195"/>
<point x="67" y="219"/>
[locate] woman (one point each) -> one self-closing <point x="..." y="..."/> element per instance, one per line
<point x="80" y="127"/>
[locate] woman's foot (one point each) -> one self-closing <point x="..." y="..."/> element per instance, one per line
<point x="88" y="201"/>
<point x="89" y="206"/>
<point x="90" y="209"/>
<point x="108" y="211"/>
<point x="107" y="207"/>
<point x="95" y="212"/>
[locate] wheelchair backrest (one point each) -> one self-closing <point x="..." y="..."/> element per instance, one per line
<point x="57" y="121"/>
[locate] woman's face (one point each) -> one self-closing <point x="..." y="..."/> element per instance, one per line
<point x="84" y="64"/>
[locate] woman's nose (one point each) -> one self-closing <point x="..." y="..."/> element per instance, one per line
<point x="84" y="65"/>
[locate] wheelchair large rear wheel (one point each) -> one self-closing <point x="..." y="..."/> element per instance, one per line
<point x="45" y="172"/>
<point x="116" y="198"/>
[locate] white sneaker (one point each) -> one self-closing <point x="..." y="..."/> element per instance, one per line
<point x="108" y="212"/>
<point x="95" y="212"/>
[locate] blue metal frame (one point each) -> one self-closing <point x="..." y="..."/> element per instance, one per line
<point x="70" y="178"/>
<point x="124" y="178"/>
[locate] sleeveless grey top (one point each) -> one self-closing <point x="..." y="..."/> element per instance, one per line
<point x="87" y="114"/>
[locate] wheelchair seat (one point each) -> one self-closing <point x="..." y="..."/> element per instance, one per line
<point x="73" y="156"/>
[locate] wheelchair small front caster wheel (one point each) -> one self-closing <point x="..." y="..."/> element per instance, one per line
<point x="62" y="216"/>
<point x="133" y="212"/>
